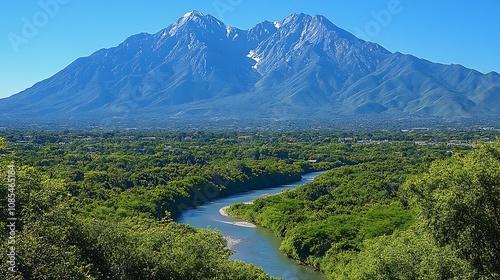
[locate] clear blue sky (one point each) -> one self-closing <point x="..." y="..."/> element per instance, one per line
<point x="37" y="40"/>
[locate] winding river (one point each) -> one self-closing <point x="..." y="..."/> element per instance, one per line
<point x="255" y="245"/>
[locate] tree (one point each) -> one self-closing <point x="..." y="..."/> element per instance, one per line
<point x="458" y="201"/>
<point x="2" y="143"/>
<point x="410" y="254"/>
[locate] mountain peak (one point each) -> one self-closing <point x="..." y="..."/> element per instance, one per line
<point x="200" y="68"/>
<point x="295" y="18"/>
<point x="192" y="14"/>
<point x="305" y="20"/>
<point x="194" y="20"/>
<point x="305" y="17"/>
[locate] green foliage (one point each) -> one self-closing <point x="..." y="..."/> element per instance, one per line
<point x="352" y="222"/>
<point x="458" y="202"/>
<point x="406" y="254"/>
<point x="106" y="212"/>
<point x="97" y="205"/>
<point x="342" y="207"/>
<point x="45" y="231"/>
<point x="142" y="249"/>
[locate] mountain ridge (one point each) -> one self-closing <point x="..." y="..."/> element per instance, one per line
<point x="200" y="68"/>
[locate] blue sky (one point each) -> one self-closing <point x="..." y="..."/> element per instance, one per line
<point x="38" y="38"/>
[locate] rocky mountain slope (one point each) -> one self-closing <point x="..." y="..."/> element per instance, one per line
<point x="301" y="67"/>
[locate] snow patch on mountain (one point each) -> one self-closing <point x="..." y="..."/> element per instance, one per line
<point x="255" y="58"/>
<point x="198" y="67"/>
<point x="192" y="13"/>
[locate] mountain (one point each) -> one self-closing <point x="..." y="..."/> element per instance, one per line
<point x="198" y="68"/>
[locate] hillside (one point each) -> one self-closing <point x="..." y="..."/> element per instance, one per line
<point x="200" y="69"/>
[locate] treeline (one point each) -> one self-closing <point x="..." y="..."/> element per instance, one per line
<point x="390" y="218"/>
<point x="102" y="206"/>
<point x="99" y="205"/>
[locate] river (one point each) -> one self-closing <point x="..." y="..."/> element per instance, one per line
<point x="253" y="245"/>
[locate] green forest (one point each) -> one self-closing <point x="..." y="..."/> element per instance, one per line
<point x="391" y="205"/>
<point x="399" y="214"/>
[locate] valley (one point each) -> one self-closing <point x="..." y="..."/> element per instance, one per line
<point x="110" y="201"/>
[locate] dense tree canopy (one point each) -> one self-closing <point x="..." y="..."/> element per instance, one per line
<point x="94" y="205"/>
<point x="386" y="218"/>
<point x="458" y="201"/>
